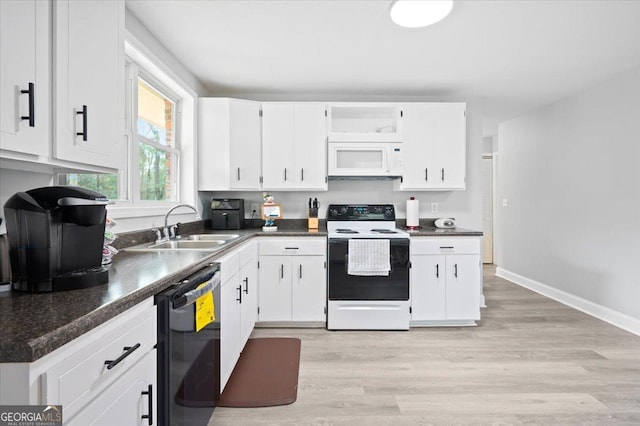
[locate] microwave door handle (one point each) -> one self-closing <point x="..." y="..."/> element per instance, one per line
<point x="385" y="159"/>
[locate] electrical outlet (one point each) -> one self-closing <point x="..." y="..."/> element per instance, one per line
<point x="434" y="207"/>
<point x="505" y="202"/>
<point x="255" y="209"/>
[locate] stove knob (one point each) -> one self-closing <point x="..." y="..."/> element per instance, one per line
<point x="343" y="210"/>
<point x="388" y="213"/>
<point x="333" y="212"/>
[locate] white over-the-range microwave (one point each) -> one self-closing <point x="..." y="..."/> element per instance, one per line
<point x="365" y="159"/>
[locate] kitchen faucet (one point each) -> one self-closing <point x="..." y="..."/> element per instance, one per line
<point x="171" y="234"/>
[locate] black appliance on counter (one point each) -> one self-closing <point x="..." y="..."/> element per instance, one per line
<point x="227" y="213"/>
<point x="56" y="235"/>
<point x="188" y="360"/>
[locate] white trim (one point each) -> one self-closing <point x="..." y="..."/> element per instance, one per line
<point x="620" y="320"/>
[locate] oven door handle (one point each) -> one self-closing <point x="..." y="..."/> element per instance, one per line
<point x="191" y="296"/>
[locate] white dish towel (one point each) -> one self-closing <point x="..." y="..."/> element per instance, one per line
<point x="369" y="257"/>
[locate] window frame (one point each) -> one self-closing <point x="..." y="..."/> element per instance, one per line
<point x="135" y="72"/>
<point x="157" y="71"/>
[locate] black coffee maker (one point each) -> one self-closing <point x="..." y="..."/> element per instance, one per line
<point x="56" y="236"/>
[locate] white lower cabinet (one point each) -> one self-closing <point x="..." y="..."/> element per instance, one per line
<point x="106" y="376"/>
<point x="130" y="401"/>
<point x="239" y="305"/>
<point x="446" y="280"/>
<point x="229" y="328"/>
<point x="293" y="283"/>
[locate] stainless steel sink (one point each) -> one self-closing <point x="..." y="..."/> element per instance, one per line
<point x="201" y="242"/>
<point x="213" y="237"/>
<point x="186" y="244"/>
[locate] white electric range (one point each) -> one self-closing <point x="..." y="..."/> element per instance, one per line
<point x="360" y="301"/>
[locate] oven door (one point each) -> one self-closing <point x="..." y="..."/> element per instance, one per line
<point x="343" y="286"/>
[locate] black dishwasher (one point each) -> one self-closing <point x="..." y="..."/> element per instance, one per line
<point x="188" y="360"/>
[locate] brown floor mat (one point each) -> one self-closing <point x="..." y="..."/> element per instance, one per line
<point x="266" y="374"/>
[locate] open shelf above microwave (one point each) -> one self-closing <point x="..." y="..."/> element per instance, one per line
<point x="368" y="122"/>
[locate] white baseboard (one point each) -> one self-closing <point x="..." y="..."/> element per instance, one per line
<point x="623" y="321"/>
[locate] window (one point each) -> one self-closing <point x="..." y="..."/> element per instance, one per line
<point x="105" y="184"/>
<point x="158" y="156"/>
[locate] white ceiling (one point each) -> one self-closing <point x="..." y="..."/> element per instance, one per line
<point x="513" y="55"/>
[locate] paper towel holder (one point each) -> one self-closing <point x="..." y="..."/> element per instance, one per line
<point x="416" y="226"/>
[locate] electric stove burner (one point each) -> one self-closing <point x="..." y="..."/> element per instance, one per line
<point x="346" y="231"/>
<point x="384" y="231"/>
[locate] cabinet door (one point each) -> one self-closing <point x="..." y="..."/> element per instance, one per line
<point x="309" y="288"/>
<point x="278" y="145"/>
<point x="245" y="151"/>
<point x="450" y="145"/>
<point x="126" y="401"/>
<point x="24" y="55"/>
<point x="428" y="287"/>
<point x="89" y="71"/>
<point x="249" y="306"/>
<point x="310" y="146"/>
<point x="463" y="291"/>
<point x="229" y="327"/>
<point x="274" y="295"/>
<point x="418" y="129"/>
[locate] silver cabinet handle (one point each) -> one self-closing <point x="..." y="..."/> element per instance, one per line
<point x="437" y="270"/>
<point x="281" y="271"/>
<point x="302" y="174"/>
<point x="246" y="285"/>
<point x="239" y="299"/>
<point x="285" y="174"/>
<point x="238" y="173"/>
<point x="426" y="174"/>
<point x="443" y="174"/>
<point x="300" y="272"/>
<point x="455" y="270"/>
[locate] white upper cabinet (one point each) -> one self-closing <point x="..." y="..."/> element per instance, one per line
<point x="365" y="122"/>
<point x="294" y="146"/>
<point x="24" y="76"/>
<point x="89" y="82"/>
<point x="229" y="144"/>
<point x="434" y="146"/>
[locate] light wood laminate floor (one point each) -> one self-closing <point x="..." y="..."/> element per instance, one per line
<point x="531" y="360"/>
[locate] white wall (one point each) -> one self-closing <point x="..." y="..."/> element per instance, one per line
<point x="571" y="174"/>
<point x="465" y="206"/>
<point x="12" y="181"/>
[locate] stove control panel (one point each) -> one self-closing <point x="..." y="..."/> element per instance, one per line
<point x="361" y="212"/>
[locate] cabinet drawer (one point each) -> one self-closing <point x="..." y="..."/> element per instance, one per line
<point x="247" y="252"/>
<point x="458" y="245"/>
<point x="83" y="373"/>
<point x="292" y="247"/>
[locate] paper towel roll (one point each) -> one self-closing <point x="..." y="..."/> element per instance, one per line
<point x="413" y="213"/>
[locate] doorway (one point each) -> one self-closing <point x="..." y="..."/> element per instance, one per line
<point x="487" y="208"/>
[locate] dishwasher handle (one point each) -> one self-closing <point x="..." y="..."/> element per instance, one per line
<point x="212" y="280"/>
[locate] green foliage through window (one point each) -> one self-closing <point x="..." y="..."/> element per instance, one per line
<point x="105" y="184"/>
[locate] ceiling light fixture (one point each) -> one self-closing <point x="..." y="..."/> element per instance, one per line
<point x="419" y="13"/>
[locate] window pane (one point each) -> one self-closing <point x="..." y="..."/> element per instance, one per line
<point x="106" y="185"/>
<point x="155" y="173"/>
<point x="155" y="115"/>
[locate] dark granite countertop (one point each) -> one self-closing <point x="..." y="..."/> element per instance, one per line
<point x="432" y="231"/>
<point x="35" y="324"/>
